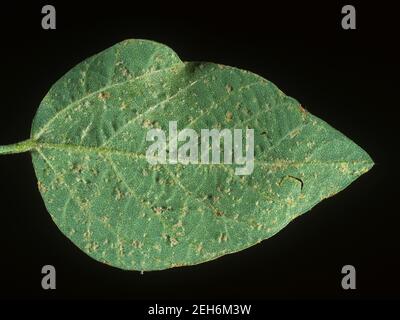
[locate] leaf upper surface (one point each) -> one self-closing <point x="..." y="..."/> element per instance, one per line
<point x="90" y="134"/>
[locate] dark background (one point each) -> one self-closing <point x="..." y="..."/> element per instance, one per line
<point x="349" y="78"/>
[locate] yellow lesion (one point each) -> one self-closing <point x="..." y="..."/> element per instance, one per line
<point x="41" y="186"/>
<point x="229" y="116"/>
<point x="344" y="167"/>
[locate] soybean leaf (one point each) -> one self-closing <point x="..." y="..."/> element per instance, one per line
<point x="88" y="144"/>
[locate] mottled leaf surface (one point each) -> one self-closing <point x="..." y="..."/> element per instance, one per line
<point x="88" y="147"/>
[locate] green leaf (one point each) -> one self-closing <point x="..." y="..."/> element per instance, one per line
<point x="88" y="144"/>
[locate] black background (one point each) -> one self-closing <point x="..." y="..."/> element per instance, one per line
<point x="349" y="78"/>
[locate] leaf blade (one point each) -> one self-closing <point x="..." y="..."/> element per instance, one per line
<point x="104" y="195"/>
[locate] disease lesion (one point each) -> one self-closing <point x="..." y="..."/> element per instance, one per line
<point x="290" y="177"/>
<point x="41" y="186"/>
<point x="104" y="95"/>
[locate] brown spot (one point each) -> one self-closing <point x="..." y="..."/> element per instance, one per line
<point x="125" y="72"/>
<point x="148" y="123"/>
<point x="229" y="116"/>
<point x="137" y="244"/>
<point x="77" y="168"/>
<point x="219" y="213"/>
<point x="222" y="238"/>
<point x="199" y="248"/>
<point x="173" y="242"/>
<point x="302" y="109"/>
<point x="178" y="264"/>
<point x="118" y="194"/>
<point x="158" y="210"/>
<point x="104" y="95"/>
